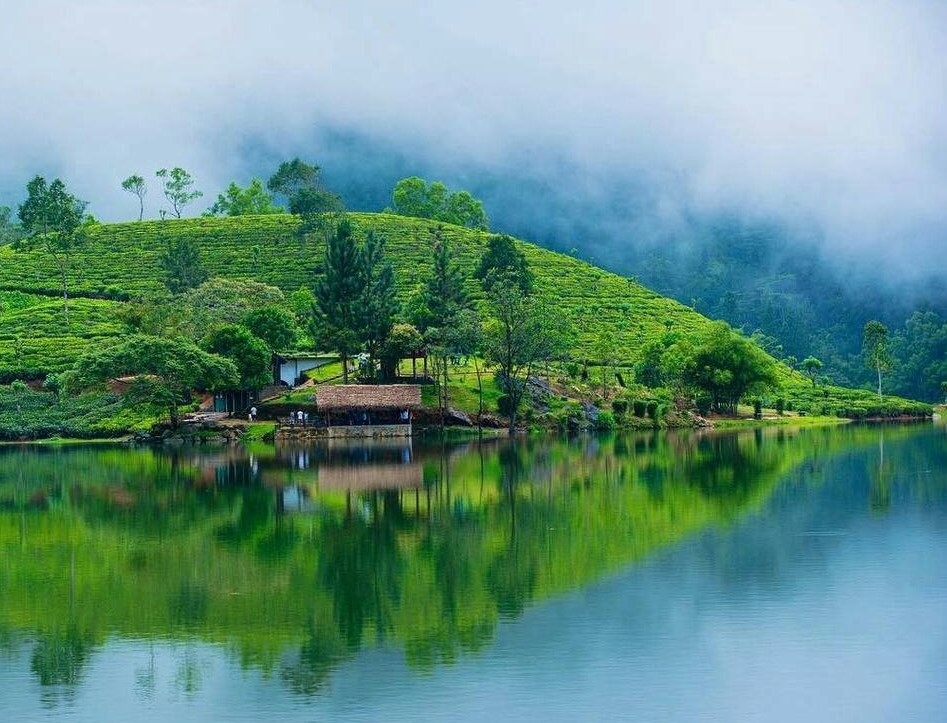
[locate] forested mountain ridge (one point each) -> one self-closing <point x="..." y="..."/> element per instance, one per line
<point x="785" y="289"/>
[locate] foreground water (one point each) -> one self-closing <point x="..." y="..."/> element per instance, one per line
<point x="777" y="576"/>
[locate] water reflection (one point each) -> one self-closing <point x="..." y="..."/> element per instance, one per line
<point x="297" y="558"/>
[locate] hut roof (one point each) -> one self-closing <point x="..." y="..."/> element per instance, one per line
<point x="368" y="396"/>
<point x="370" y="477"/>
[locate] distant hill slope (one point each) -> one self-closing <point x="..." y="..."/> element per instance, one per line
<point x="122" y="260"/>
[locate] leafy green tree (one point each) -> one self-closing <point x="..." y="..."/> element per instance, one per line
<point x="875" y="349"/>
<point x="465" y="338"/>
<point x="248" y="353"/>
<point x="252" y="200"/>
<point x="275" y="325"/>
<point x="178" y="189"/>
<point x="166" y="370"/>
<point x="339" y="294"/>
<point x="136" y="184"/>
<point x="727" y="366"/>
<point x="812" y="366"/>
<point x="300" y="184"/>
<point x="414" y="197"/>
<point x="921" y="350"/>
<point x="181" y="261"/>
<point x="504" y="261"/>
<point x="223" y="301"/>
<point x="53" y="218"/>
<point x="650" y="368"/>
<point x="315" y="201"/>
<point x="515" y="340"/>
<point x="378" y="303"/>
<point x="943" y="389"/>
<point x="402" y="341"/>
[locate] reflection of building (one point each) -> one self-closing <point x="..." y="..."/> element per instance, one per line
<point x="368" y="410"/>
<point x="370" y="465"/>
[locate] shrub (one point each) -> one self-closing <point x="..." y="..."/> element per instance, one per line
<point x="758" y="408"/>
<point x="780" y="406"/>
<point x="605" y="420"/>
<point x="704" y="403"/>
<point x="620" y="407"/>
<point x="652" y="410"/>
<point x="640" y="407"/>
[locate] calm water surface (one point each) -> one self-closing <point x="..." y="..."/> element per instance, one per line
<point x="763" y="576"/>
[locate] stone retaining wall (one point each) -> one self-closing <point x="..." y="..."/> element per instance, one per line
<point x="363" y="431"/>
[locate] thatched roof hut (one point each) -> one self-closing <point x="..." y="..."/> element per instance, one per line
<point x="331" y="397"/>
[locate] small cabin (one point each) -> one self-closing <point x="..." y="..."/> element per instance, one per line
<point x="288" y="369"/>
<point x="368" y="410"/>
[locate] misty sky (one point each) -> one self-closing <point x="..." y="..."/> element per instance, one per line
<point x="823" y="113"/>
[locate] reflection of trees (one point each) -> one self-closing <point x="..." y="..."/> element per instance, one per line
<point x="204" y="548"/>
<point x="879" y="474"/>
<point x="360" y="565"/>
<point x="306" y="670"/>
<point x="59" y="656"/>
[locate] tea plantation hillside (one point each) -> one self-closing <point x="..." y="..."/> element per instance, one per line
<point x="119" y="262"/>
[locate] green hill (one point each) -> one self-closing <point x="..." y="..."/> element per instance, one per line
<point x="121" y="261"/>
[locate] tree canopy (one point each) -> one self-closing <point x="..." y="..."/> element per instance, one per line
<point x="726" y="366"/>
<point x="415" y="197"/>
<point x="248" y="353"/>
<point x="135" y="184"/>
<point x="237" y="201"/>
<point x="504" y="261"/>
<point x="166" y="370"/>
<point x="875" y="349"/>
<point x="52" y="218"/>
<point x="301" y="185"/>
<point x="181" y="261"/>
<point x="178" y="189"/>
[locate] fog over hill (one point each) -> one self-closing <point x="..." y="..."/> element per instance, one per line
<point x="631" y="131"/>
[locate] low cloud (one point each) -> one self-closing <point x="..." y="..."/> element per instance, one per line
<point x="827" y="114"/>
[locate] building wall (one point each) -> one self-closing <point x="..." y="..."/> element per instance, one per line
<point x="290" y="370"/>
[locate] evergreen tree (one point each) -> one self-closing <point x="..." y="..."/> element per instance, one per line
<point x="340" y="292"/>
<point x="502" y="261"/>
<point x="181" y="261"/>
<point x="378" y="303"/>
<point x="443" y="295"/>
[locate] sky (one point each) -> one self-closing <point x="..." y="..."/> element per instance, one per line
<point x="827" y="114"/>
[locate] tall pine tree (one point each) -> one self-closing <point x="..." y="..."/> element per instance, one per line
<point x="339" y="294"/>
<point x="378" y="303"/>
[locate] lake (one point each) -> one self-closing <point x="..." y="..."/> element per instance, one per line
<point x="762" y="575"/>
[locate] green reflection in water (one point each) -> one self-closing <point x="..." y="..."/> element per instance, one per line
<point x="298" y="558"/>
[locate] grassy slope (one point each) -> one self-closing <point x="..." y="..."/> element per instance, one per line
<point x="123" y="258"/>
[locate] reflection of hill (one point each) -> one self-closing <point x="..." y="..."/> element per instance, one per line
<point x="137" y="543"/>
